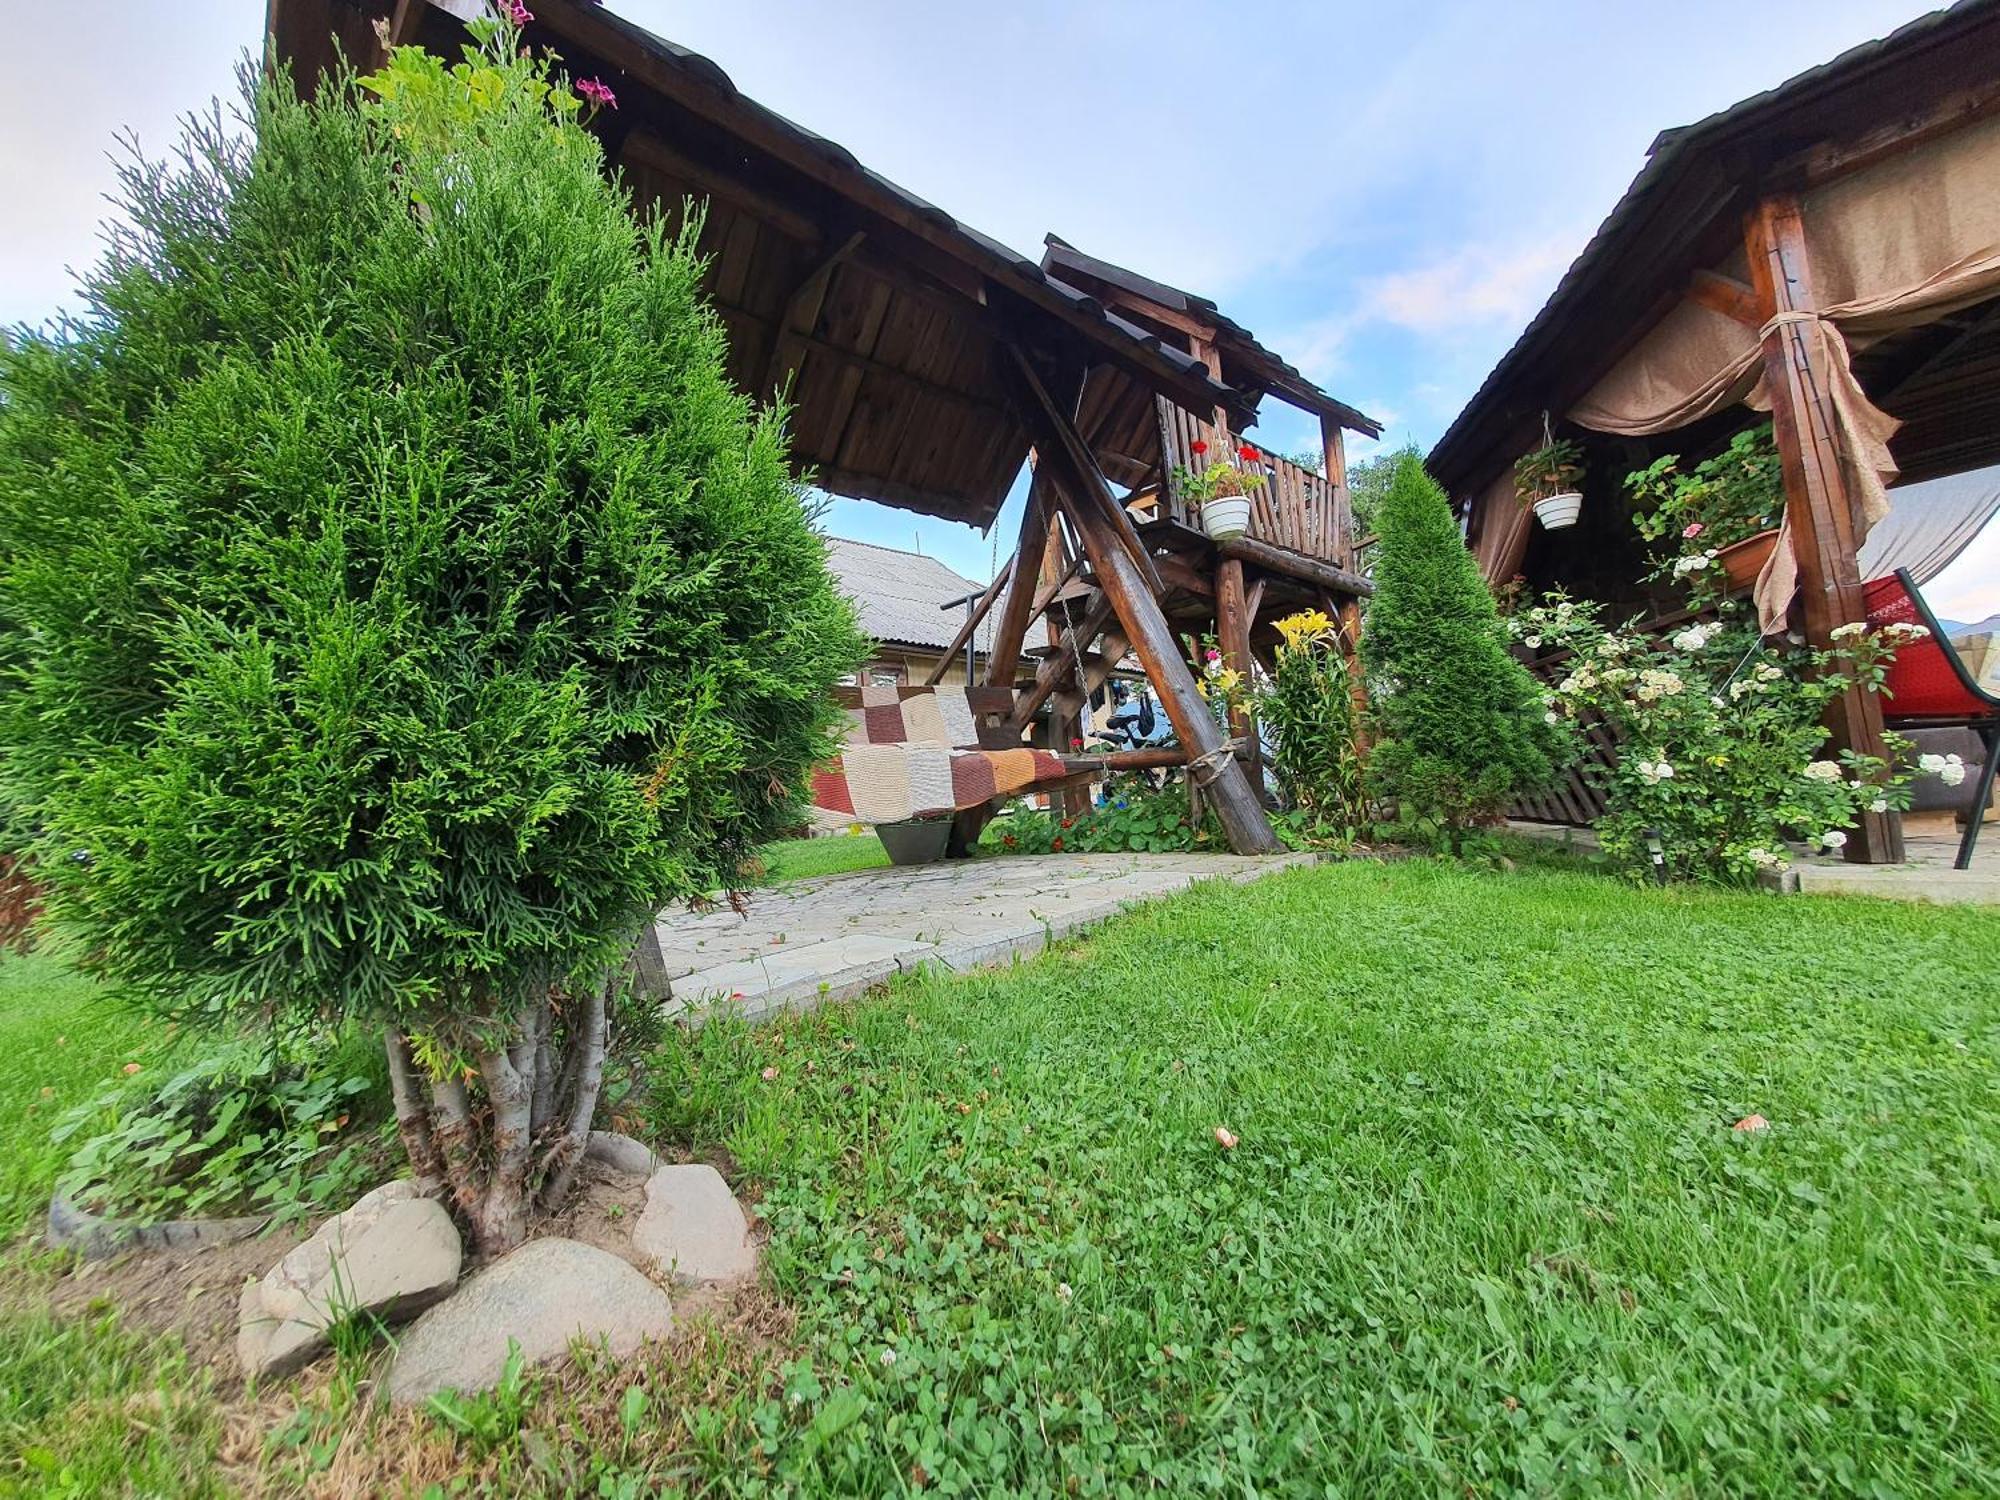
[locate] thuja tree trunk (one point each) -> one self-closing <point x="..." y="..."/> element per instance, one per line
<point x="506" y="1140"/>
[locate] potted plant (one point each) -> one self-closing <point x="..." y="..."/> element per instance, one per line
<point x="1547" y="479"/>
<point x="1222" y="490"/>
<point x="1725" y="509"/>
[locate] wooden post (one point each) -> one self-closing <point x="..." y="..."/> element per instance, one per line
<point x="1333" y="445"/>
<point x="1011" y="633"/>
<point x="1086" y="498"/>
<point x="1232" y="629"/>
<point x="1817" y="502"/>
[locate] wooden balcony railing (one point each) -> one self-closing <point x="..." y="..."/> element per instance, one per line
<point x="1293" y="508"/>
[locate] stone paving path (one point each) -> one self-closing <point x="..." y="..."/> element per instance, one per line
<point x="832" y="938"/>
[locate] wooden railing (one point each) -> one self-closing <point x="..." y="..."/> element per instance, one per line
<point x="1293" y="508"/>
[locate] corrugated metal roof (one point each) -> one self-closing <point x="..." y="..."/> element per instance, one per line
<point x="902" y="596"/>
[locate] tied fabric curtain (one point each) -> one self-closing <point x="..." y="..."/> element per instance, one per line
<point x="1893" y="247"/>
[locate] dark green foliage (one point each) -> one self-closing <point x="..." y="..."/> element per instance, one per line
<point x="1459" y="723"/>
<point x="400" y="603"/>
<point x="1133" y="818"/>
<point x="242" y="1128"/>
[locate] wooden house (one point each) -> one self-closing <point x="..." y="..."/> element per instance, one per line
<point x="1825" y="256"/>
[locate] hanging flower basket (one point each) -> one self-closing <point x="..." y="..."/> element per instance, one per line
<point x="1546" y="480"/>
<point x="1557" y="511"/>
<point x="1226" y="517"/>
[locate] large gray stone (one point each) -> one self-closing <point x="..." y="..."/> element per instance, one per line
<point x="543" y="1296"/>
<point x="392" y="1254"/>
<point x="693" y="1228"/>
<point x="621" y="1153"/>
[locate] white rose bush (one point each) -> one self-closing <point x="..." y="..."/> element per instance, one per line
<point x="1724" y="756"/>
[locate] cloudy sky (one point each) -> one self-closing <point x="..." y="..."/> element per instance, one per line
<point x="1385" y="193"/>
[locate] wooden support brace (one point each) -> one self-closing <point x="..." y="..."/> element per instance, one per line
<point x="1061" y="662"/>
<point x="972" y="622"/>
<point x="1011" y="633"/>
<point x="1086" y="498"/>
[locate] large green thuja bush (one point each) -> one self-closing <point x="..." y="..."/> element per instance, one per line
<point x="402" y="605"/>
<point x="1461" y="728"/>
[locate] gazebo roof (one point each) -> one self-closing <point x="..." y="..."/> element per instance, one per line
<point x="1683" y="213"/>
<point x="880" y="313"/>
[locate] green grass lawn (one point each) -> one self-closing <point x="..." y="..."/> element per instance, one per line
<point x="803" y="859"/>
<point x="1486" y="1230"/>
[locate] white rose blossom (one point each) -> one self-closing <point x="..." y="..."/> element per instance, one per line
<point x="1845" y="632"/>
<point x="1833" y="838"/>
<point x="1824" y="770"/>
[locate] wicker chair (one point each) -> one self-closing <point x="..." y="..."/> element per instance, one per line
<point x="1930" y="688"/>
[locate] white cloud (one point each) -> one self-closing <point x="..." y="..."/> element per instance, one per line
<point x="1473" y="286"/>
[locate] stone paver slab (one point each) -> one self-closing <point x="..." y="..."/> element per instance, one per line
<point x="837" y="936"/>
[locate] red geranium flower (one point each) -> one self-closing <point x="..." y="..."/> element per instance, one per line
<point x="1199" y="446"/>
<point x="1076" y="742"/>
<point x="1056" y="847"/>
<point x="1247" y="454"/>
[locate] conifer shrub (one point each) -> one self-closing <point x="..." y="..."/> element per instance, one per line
<point x="1460" y="728"/>
<point x="402" y="605"/>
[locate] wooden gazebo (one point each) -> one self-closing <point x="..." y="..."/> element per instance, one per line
<point x="924" y="362"/>
<point x="1827" y="254"/>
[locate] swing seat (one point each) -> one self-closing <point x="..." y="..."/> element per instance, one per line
<point x="915" y="752"/>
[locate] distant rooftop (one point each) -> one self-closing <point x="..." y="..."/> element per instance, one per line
<point x="902" y="596"/>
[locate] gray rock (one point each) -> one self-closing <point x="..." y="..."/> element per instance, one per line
<point x="621" y="1153"/>
<point x="543" y="1296"/>
<point x="94" y="1238"/>
<point x="693" y="1227"/>
<point x="392" y="1254"/>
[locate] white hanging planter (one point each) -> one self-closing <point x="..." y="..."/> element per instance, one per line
<point x="1226" y="517"/>
<point x="1557" y="511"/>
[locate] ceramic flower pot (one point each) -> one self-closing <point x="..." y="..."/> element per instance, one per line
<point x="1743" y="561"/>
<point x="1557" y="511"/>
<point x="1226" y="517"/>
<point x="915" y="841"/>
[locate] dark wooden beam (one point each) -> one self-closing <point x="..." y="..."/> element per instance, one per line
<point x="1060" y="663"/>
<point x="801" y="311"/>
<point x="972" y="622"/>
<point x="1088" y="502"/>
<point x="1010" y="634"/>
<point x="1183" y="575"/>
<point x="1818" y="504"/>
<point x="1726" y="295"/>
<point x="1296" y="565"/>
<point x="1232" y="631"/>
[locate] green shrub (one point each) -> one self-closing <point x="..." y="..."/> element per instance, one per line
<point x="1308" y="709"/>
<point x="1459" y="724"/>
<point x="240" y="1129"/>
<point x="1720" y="737"/>
<point x="1134" y="817"/>
<point x="405" y="606"/>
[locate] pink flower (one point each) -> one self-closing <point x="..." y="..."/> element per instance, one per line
<point x="597" y="93"/>
<point x="518" y="13"/>
<point x="1692" y="530"/>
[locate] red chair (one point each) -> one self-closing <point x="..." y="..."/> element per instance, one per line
<point x="1930" y="688"/>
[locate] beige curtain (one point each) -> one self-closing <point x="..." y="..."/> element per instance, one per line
<point x="1893" y="247"/>
<point x="1501" y="525"/>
